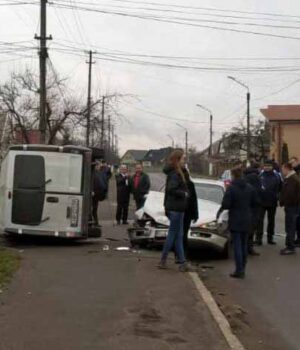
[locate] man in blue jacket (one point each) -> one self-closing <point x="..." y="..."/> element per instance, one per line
<point x="271" y="183"/>
<point x="240" y="199"/>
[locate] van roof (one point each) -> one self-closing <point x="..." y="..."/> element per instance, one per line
<point x="50" y="148"/>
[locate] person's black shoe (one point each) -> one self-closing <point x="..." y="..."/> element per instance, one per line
<point x="271" y="242"/>
<point x="118" y="222"/>
<point x="125" y="222"/>
<point x="258" y="242"/>
<point x="252" y="252"/>
<point x="239" y="275"/>
<point x="287" y="251"/>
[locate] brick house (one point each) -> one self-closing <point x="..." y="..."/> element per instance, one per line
<point x="284" y="123"/>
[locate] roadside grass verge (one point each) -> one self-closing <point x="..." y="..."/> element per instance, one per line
<point x="9" y="263"/>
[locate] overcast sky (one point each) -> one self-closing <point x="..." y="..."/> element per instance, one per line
<point x="167" y="92"/>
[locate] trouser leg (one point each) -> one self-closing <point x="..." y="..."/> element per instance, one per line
<point x="244" y="247"/>
<point x="271" y="223"/>
<point x="260" y="225"/>
<point x="179" y="240"/>
<point x="298" y="228"/>
<point x="125" y="212"/>
<point x="170" y="240"/>
<point x="119" y="212"/>
<point x="291" y="215"/>
<point x="95" y="204"/>
<point x="238" y="252"/>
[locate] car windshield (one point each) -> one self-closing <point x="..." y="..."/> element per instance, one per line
<point x="210" y="192"/>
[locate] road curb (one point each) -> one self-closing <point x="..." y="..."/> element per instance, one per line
<point x="217" y="314"/>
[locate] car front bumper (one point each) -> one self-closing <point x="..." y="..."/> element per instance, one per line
<point x="197" y="238"/>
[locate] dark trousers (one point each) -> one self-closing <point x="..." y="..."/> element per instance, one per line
<point x="122" y="211"/>
<point x="291" y="216"/>
<point x="271" y="212"/>
<point x="298" y="228"/>
<point x="95" y="203"/>
<point x="240" y="248"/>
<point x="253" y="228"/>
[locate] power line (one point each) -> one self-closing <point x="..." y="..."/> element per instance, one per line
<point x="163" y="20"/>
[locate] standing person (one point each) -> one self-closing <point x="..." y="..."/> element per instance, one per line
<point x="290" y="200"/>
<point x="191" y="212"/>
<point x="251" y="176"/>
<point x="239" y="199"/>
<point x="123" y="195"/>
<point x="100" y="189"/>
<point x="270" y="187"/>
<point x="296" y="166"/>
<point x="140" y="186"/>
<point x="175" y="203"/>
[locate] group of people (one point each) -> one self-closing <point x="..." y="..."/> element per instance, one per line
<point x="255" y="192"/>
<point x="138" y="185"/>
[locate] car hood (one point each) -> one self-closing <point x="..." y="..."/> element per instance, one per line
<point x="154" y="207"/>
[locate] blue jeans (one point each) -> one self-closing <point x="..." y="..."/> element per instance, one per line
<point x="240" y="248"/>
<point x="175" y="235"/>
<point x="291" y="216"/>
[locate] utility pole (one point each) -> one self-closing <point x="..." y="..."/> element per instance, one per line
<point x="248" y="127"/>
<point x="186" y="142"/>
<point x="88" y="114"/>
<point x="102" y="122"/>
<point x="248" y="116"/>
<point x="113" y="138"/>
<point x="210" y="134"/>
<point x="43" y="54"/>
<point x="109" y="132"/>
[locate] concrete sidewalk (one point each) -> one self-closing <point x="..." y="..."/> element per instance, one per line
<point x="81" y="297"/>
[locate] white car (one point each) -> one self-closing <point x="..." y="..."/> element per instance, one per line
<point x="151" y="226"/>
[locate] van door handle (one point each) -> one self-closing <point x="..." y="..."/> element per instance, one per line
<point x="52" y="199"/>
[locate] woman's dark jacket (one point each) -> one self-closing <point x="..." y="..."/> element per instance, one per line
<point x="191" y="211"/>
<point x="176" y="192"/>
<point x="239" y="199"/>
<point x="290" y="193"/>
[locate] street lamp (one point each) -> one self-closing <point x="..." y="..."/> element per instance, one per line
<point x="210" y="127"/>
<point x="172" y="139"/>
<point x="248" y="114"/>
<point x="186" y="141"/>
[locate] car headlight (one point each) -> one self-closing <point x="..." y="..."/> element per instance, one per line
<point x="213" y="225"/>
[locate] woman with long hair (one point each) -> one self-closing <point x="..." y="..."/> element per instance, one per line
<point x="175" y="203"/>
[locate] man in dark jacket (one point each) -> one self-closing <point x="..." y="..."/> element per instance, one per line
<point x="100" y="189"/>
<point x="270" y="187"/>
<point x="296" y="165"/>
<point x="123" y="195"/>
<point x="251" y="176"/>
<point x="140" y="186"/>
<point x="239" y="199"/>
<point x="290" y="200"/>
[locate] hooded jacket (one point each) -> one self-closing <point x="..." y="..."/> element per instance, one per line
<point x="240" y="199"/>
<point x="176" y="192"/>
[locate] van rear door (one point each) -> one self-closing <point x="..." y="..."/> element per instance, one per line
<point x="28" y="190"/>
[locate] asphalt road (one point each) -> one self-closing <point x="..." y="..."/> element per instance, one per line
<point x="268" y="297"/>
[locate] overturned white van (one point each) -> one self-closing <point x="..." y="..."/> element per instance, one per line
<point x="46" y="190"/>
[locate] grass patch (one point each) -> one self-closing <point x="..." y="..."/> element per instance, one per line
<point x="9" y="263"/>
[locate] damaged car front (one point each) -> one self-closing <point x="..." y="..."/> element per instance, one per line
<point x="151" y="226"/>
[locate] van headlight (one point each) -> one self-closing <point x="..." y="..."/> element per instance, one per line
<point x="74" y="212"/>
<point x="213" y="225"/>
